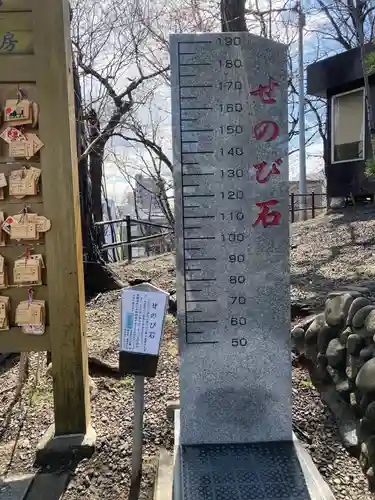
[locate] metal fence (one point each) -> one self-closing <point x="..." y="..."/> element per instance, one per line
<point x="123" y="248"/>
<point x="314" y="203"/>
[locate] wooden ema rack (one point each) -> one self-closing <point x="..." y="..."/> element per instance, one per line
<point x="40" y="63"/>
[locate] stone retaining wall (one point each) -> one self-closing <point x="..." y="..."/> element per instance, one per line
<point x="340" y="346"/>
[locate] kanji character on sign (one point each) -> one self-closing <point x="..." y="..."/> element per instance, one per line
<point x="8" y="42"/>
<point x="266" y="216"/>
<point x="264" y="172"/>
<point x="266" y="130"/>
<point x="266" y="92"/>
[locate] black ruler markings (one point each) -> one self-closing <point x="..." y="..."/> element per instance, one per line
<point x="184" y="184"/>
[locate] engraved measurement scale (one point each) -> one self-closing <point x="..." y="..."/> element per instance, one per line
<point x="217" y="118"/>
<point x="229" y="116"/>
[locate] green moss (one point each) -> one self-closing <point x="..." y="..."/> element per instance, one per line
<point x="125" y="382"/>
<point x="370" y="167"/>
<point x="370" y="62"/>
<point x="42" y="395"/>
<point x="306" y="383"/>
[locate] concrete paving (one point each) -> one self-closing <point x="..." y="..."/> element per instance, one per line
<point x="15" y="487"/>
<point x="164" y="481"/>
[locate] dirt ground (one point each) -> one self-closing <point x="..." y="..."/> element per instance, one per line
<point x="106" y="476"/>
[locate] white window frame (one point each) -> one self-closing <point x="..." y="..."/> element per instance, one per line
<point x="333" y="161"/>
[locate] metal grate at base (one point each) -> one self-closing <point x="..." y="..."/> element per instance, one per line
<point x="261" y="471"/>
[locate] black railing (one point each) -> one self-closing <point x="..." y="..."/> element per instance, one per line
<point x="313" y="204"/>
<point x="130" y="241"/>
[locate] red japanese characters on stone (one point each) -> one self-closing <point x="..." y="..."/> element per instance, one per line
<point x="266" y="216"/>
<point x="264" y="172"/>
<point x="266" y="92"/>
<point x="266" y="131"/>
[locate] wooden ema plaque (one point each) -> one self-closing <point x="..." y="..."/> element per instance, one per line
<point x="42" y="247"/>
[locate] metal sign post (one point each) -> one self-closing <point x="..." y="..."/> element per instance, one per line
<point x="139" y="403"/>
<point x="143" y="310"/>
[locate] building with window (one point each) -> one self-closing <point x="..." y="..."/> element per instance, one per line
<point x="339" y="79"/>
<point x="146" y="193"/>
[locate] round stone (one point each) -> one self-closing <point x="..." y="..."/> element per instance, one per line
<point x="320" y="374"/>
<point x="370" y="443"/>
<point x="325" y="335"/>
<point x="367" y="353"/>
<point x="306" y="322"/>
<point x="364" y="290"/>
<point x="364" y="333"/>
<point x="361" y="315"/>
<point x="345" y="334"/>
<point x="337" y="308"/>
<point x="370" y="322"/>
<point x="312" y="331"/>
<point x="353" y="365"/>
<point x="353" y="293"/>
<point x="363" y="458"/>
<point x="335" y="353"/>
<point x="343" y="387"/>
<point x="322" y="360"/>
<point x="364" y="402"/>
<point x="365" y="380"/>
<point x="355" y="306"/>
<point x="366" y="428"/>
<point x="370" y="413"/>
<point x="298" y="339"/>
<point x="311" y="352"/>
<point x="371" y="477"/>
<point x="354" y="344"/>
<point x="298" y="333"/>
<point x="334" y="374"/>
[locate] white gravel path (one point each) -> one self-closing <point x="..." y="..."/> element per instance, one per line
<point x="330" y="251"/>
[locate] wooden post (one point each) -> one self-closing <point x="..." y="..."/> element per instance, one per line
<point x="292" y="205"/>
<point x="54" y="79"/>
<point x="41" y="64"/>
<point x="129" y="238"/>
<point x="313" y="205"/>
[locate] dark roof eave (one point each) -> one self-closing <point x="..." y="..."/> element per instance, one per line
<point x="336" y="71"/>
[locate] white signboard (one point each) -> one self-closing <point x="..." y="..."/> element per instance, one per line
<point x="142" y="320"/>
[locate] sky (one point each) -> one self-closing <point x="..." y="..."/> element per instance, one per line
<point x="117" y="185"/>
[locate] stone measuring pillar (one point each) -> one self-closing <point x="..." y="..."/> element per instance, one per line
<point x="233" y="432"/>
<point x="230" y="132"/>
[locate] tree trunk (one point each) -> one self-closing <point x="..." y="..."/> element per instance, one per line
<point x="357" y="15"/>
<point x="96" y="164"/>
<point x="233" y="15"/>
<point x="98" y="277"/>
<point x="96" y="158"/>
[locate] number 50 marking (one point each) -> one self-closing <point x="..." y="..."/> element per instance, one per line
<point x="239" y="342"/>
